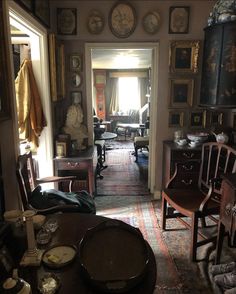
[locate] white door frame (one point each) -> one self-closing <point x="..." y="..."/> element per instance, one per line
<point x="153" y="99"/>
<point x="39" y="57"/>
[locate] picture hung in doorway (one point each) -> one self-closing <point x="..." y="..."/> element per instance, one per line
<point x="179" y="19"/>
<point x="181" y="93"/>
<point x="184" y="56"/>
<point x="67" y="21"/>
<point x="176" y="119"/>
<point x="198" y="119"/>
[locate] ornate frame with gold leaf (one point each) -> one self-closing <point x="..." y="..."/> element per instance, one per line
<point x="183" y="56"/>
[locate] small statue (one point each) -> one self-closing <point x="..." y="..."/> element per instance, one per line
<point x="74" y="126"/>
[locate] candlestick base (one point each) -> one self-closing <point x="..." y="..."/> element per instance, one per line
<point x="32" y="259"/>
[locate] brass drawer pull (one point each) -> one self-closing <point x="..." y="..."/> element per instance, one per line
<point x="228" y="209"/>
<point x="188" y="155"/>
<point x="73" y="164"/>
<point x="187" y="183"/>
<point x="188" y="168"/>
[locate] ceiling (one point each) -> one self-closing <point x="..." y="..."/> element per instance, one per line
<point x="121" y="58"/>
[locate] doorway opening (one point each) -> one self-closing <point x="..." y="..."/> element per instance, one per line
<point x="33" y="36"/>
<point x="91" y="49"/>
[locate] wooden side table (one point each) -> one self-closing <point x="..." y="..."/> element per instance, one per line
<point x="227" y="221"/>
<point x="83" y="165"/>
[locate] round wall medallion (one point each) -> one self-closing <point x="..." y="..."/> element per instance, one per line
<point x="122" y="19"/>
<point x="151" y="22"/>
<point x="95" y="22"/>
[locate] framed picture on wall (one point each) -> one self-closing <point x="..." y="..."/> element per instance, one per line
<point x="184" y="56"/>
<point x="61" y="149"/>
<point x="67" y="21"/>
<point x="75" y="62"/>
<point x="216" y="118"/>
<point x="181" y="93"/>
<point x="198" y="119"/>
<point x="76" y="97"/>
<point x="42" y="11"/>
<point x="179" y="19"/>
<point x="176" y="119"/>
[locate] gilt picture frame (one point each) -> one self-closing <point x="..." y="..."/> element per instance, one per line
<point x="198" y="119"/>
<point x="176" y="119"/>
<point x="179" y="19"/>
<point x="183" y="56"/>
<point x="181" y="93"/>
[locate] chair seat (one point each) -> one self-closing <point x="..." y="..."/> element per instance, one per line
<point x="189" y="201"/>
<point x="141" y="141"/>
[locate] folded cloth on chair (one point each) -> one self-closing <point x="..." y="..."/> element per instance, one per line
<point x="48" y="198"/>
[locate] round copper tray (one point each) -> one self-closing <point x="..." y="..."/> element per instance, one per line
<point x="113" y="256"/>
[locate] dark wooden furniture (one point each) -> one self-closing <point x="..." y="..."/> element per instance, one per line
<point x="72" y="227"/>
<point x="27" y="183"/>
<point x="227" y="221"/>
<point x="219" y="66"/>
<point x="204" y="200"/>
<point x="188" y="159"/>
<point x="83" y="166"/>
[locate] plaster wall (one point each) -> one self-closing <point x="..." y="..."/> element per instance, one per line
<point x="199" y="11"/>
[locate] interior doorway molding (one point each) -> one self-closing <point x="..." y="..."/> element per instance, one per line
<point x="154" y="46"/>
<point x="39" y="57"/>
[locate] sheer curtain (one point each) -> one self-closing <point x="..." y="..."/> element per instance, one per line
<point x="114" y="104"/>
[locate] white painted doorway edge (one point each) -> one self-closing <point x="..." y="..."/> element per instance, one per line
<point x="153" y="101"/>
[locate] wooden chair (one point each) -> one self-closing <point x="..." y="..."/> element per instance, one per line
<point x="28" y="182"/>
<point x="216" y="159"/>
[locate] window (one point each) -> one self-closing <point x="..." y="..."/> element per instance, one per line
<point x="128" y="93"/>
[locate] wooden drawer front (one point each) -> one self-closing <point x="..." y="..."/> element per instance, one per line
<point x="186" y="181"/>
<point x="186" y="167"/>
<point x="185" y="154"/>
<point x="72" y="165"/>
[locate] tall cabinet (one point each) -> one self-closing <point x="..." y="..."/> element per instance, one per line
<point x="218" y="86"/>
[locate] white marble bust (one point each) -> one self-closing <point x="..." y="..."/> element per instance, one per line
<point x="74" y="126"/>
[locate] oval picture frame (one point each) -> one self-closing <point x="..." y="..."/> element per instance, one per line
<point x="122" y="19"/>
<point x="95" y="22"/>
<point x="151" y="22"/>
<point x="76" y="79"/>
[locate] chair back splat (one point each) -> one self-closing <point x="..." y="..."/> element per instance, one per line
<point x="203" y="201"/>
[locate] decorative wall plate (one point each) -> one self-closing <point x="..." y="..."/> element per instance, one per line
<point x="151" y="22"/>
<point x="122" y="19"/>
<point x="95" y="22"/>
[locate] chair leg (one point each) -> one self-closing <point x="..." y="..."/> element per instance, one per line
<point x="136" y="153"/>
<point x="194" y="229"/>
<point x="220" y="239"/>
<point x="164" y="208"/>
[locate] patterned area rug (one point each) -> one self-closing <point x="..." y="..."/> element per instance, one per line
<point x="122" y="176"/>
<point x="175" y="274"/>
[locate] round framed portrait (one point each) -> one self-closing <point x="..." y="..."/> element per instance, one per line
<point x="122" y="19"/>
<point x="151" y="22"/>
<point x="95" y="22"/>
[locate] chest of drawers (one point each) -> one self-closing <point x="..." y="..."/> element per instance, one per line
<point x="189" y="159"/>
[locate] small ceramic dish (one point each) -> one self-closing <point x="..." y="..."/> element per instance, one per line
<point x="49" y="284"/>
<point x="59" y="255"/>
